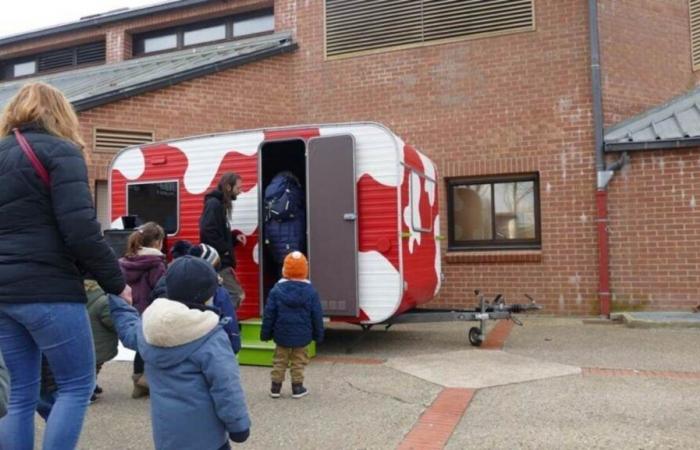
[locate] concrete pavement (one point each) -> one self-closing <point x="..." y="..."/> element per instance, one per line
<point x="543" y="390"/>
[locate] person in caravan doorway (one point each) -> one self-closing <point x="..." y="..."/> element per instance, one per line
<point x="285" y="217"/>
<point x="215" y="230"/>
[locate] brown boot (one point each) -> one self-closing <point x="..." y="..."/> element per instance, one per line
<point x="140" y="386"/>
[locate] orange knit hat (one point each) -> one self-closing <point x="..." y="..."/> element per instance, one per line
<point x="295" y="266"/>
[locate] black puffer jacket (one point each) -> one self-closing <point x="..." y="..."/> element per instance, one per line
<point x="214" y="229"/>
<point x="46" y="234"/>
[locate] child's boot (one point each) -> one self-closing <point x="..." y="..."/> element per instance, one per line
<point x="275" y="390"/>
<point x="298" y="390"/>
<point x="140" y="386"/>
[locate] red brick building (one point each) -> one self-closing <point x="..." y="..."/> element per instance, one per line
<point x="499" y="95"/>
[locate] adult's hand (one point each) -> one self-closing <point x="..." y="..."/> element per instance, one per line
<point x="242" y="239"/>
<point x="126" y="294"/>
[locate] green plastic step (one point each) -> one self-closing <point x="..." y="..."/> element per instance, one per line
<point x="255" y="352"/>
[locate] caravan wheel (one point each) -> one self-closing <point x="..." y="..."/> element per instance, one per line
<point x="475" y="337"/>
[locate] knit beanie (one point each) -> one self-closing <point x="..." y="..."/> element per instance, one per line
<point x="190" y="280"/>
<point x="180" y="249"/>
<point x="295" y="266"/>
<point x="206" y="252"/>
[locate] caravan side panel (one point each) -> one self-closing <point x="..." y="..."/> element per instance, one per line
<point x="420" y="226"/>
<point x="197" y="164"/>
<point x="378" y="160"/>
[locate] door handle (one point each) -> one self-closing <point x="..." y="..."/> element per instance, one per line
<point x="350" y="217"/>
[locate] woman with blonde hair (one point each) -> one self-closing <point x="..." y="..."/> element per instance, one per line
<point x="49" y="234"/>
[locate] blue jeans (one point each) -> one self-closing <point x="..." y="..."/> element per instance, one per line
<point x="62" y="332"/>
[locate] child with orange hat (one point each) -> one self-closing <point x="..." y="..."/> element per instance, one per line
<point x="293" y="317"/>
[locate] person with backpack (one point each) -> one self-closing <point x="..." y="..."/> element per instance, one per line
<point x="215" y="230"/>
<point x="285" y="217"/>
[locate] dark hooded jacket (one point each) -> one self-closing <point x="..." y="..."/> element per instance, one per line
<point x="47" y="233"/>
<point x="293" y="315"/>
<point x="142" y="273"/>
<point x="214" y="228"/>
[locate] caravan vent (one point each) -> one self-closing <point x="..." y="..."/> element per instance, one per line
<point x="695" y="33"/>
<point x="359" y="26"/>
<point x="108" y="140"/>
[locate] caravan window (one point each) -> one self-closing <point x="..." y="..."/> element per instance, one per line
<point x="421" y="209"/>
<point x="155" y="202"/>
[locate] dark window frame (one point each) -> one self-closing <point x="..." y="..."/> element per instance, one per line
<point x="138" y="40"/>
<point x="7" y="67"/>
<point x="177" y="201"/>
<point x="493" y="243"/>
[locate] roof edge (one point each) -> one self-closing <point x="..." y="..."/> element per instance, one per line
<point x="667" y="144"/>
<point x="100" y="20"/>
<point x="164" y="82"/>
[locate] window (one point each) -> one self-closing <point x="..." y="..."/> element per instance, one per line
<point x="253" y="25"/>
<point x="199" y="33"/>
<point x="494" y="213"/>
<point x="208" y="34"/>
<point x="355" y="26"/>
<point x="421" y="210"/>
<point x="23" y="69"/>
<point x="54" y="60"/>
<point x="155" y="202"/>
<point x="695" y="33"/>
<point x="160" y="43"/>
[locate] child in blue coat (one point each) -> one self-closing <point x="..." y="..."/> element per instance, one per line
<point x="293" y="317"/>
<point x="197" y="401"/>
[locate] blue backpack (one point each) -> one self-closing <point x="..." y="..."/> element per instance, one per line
<point x="283" y="198"/>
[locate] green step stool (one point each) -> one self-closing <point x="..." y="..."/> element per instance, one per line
<point x="255" y="352"/>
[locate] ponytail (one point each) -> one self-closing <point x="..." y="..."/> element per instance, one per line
<point x="144" y="236"/>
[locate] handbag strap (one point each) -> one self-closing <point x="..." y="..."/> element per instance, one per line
<point x="38" y="166"/>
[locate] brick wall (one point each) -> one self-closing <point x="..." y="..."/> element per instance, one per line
<point x="654" y="223"/>
<point x="643" y="68"/>
<point x="500" y="105"/>
<point x="655" y="231"/>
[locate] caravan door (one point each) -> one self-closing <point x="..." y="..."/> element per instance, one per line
<point x="332" y="223"/>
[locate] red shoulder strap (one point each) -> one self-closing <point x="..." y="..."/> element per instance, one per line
<point x="38" y="166"/>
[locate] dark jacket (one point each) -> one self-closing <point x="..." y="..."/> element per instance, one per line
<point x="4" y="387"/>
<point x="222" y="303"/>
<point x="214" y="228"/>
<point x="142" y="272"/>
<point x="103" y="333"/>
<point x="196" y="393"/>
<point x="46" y="234"/>
<point x="293" y="315"/>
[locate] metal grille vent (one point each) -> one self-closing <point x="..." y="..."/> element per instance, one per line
<point x="109" y="140"/>
<point x="362" y="25"/>
<point x="90" y="53"/>
<point x="695" y="33"/>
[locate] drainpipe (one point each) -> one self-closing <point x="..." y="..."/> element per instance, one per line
<point x="604" y="173"/>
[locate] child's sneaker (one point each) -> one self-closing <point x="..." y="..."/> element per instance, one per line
<point x="298" y="390"/>
<point x="275" y="390"/>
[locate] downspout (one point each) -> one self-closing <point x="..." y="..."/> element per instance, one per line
<point x="604" y="173"/>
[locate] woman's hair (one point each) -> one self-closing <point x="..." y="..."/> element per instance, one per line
<point x="228" y="179"/>
<point x="145" y="236"/>
<point x="47" y="107"/>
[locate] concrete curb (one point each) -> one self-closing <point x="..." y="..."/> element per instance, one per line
<point x="658" y="319"/>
